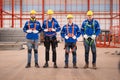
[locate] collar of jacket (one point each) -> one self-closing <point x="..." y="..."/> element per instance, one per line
<point x="32" y="20"/>
<point x="90" y="20"/>
<point x="71" y="24"/>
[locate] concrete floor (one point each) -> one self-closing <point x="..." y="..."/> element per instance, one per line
<point x="12" y="66"/>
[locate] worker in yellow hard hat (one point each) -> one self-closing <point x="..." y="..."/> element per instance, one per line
<point x="33" y="15"/>
<point x="32" y="28"/>
<point x="90" y="30"/>
<point x="50" y="27"/>
<point x="70" y="32"/>
<point x="90" y="15"/>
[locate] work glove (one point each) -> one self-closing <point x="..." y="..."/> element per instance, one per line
<point x="53" y="29"/>
<point x="85" y="36"/>
<point x="74" y="37"/>
<point x="46" y="30"/>
<point x="66" y="37"/>
<point x="29" y="31"/>
<point x="93" y="37"/>
<point x="35" y="31"/>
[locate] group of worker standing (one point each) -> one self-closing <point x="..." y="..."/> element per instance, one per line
<point x="90" y="29"/>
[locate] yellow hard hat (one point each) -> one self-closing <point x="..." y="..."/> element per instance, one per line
<point x="69" y="16"/>
<point x="89" y="13"/>
<point x="33" y="12"/>
<point x="50" y="11"/>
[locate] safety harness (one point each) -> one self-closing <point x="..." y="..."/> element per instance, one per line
<point x="75" y="47"/>
<point x="49" y="37"/>
<point x="90" y="41"/>
<point x="34" y="28"/>
<point x="48" y="28"/>
<point x="68" y="29"/>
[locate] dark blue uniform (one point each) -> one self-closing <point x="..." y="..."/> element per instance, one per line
<point x="50" y="37"/>
<point x="70" y="42"/>
<point x="32" y="38"/>
<point x="90" y="28"/>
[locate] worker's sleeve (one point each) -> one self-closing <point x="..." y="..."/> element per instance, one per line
<point x="78" y="32"/>
<point x="57" y="27"/>
<point x="97" y="28"/>
<point x="39" y="29"/>
<point x="63" y="32"/>
<point x="25" y="28"/>
<point x="43" y="26"/>
<point x="82" y="28"/>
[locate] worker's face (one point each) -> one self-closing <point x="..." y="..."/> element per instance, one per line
<point x="49" y="16"/>
<point x="89" y="17"/>
<point x="70" y="20"/>
<point x="32" y="15"/>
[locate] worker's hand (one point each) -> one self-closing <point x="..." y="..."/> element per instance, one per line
<point x="35" y="31"/>
<point x="53" y="29"/>
<point x="74" y="37"/>
<point x="93" y="37"/>
<point x="70" y="35"/>
<point x="50" y="29"/>
<point x="85" y="36"/>
<point x="66" y="37"/>
<point x="46" y="30"/>
<point x="29" y="31"/>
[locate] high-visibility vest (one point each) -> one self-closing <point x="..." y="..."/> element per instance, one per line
<point x="87" y="25"/>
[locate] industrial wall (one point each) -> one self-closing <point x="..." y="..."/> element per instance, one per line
<point x="14" y="14"/>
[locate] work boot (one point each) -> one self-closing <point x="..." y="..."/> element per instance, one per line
<point x="94" y="66"/>
<point x="55" y="65"/>
<point x="66" y="66"/>
<point x="46" y="65"/>
<point x="86" y="66"/>
<point x="28" y="65"/>
<point x="37" y="65"/>
<point x="75" y="66"/>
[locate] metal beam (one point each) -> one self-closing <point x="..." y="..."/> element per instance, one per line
<point x="20" y="13"/>
<point x="111" y="12"/>
<point x="88" y="4"/>
<point x="1" y="16"/>
<point x="65" y="6"/>
<point x="12" y="13"/>
<point x="43" y="10"/>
